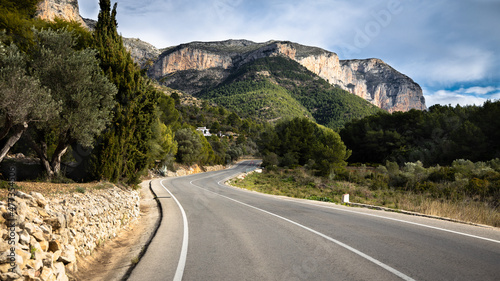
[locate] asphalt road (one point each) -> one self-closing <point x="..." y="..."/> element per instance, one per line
<point x="211" y="231"/>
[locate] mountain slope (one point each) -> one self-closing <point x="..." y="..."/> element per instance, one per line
<point x="195" y="66"/>
<point x="270" y="88"/>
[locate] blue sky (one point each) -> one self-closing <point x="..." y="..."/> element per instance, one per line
<point x="450" y="47"/>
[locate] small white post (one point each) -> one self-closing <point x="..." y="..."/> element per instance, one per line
<point x="345" y="198"/>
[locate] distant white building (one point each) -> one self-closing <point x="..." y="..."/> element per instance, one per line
<point x="204" y="131"/>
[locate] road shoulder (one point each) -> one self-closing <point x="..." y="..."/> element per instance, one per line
<point x="115" y="258"/>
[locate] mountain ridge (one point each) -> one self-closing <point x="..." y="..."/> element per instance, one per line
<point x="370" y="79"/>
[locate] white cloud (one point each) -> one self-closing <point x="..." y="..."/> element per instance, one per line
<point x="453" y="98"/>
<point x="464" y="96"/>
<point x="480" y="90"/>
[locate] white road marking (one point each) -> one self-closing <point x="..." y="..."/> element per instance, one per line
<point x="382" y="217"/>
<point x="375" y="261"/>
<point x="182" y="259"/>
<point x="399" y="220"/>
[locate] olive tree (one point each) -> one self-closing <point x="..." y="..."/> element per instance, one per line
<point x="77" y="82"/>
<point x="23" y="99"/>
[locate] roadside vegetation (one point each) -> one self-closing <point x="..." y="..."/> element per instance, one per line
<point x="464" y="191"/>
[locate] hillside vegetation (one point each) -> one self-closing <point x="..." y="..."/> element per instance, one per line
<point x="271" y="88"/>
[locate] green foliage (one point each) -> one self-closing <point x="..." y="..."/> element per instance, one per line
<point x="262" y="100"/>
<point x="437" y="136"/>
<point x="463" y="179"/>
<point x="78" y="85"/>
<point x="124" y="151"/>
<point x="16" y="19"/>
<point x="300" y="142"/>
<point x="82" y="37"/>
<point x="190" y="147"/>
<point x="271" y="88"/>
<point x="474" y="198"/>
<point x="80" y="189"/>
<point x="22" y="97"/>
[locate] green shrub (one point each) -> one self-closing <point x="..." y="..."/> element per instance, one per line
<point x="442" y="174"/>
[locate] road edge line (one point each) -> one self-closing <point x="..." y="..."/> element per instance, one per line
<point x="183" y="256"/>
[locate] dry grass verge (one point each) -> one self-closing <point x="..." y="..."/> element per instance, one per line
<point x="299" y="184"/>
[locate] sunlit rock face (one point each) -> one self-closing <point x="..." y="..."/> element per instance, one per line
<point x="65" y="9"/>
<point x="371" y="79"/>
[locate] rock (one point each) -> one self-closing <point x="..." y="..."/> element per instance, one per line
<point x="30" y="275"/>
<point x="28" y="226"/>
<point x="141" y="52"/>
<point x="78" y="223"/>
<point x="67" y="10"/>
<point x="4" y="267"/>
<point x="55" y="222"/>
<point x="44" y="245"/>
<point x="54" y="246"/>
<point x="71" y="267"/>
<point x="48" y="260"/>
<point x="68" y="255"/>
<point x="47" y="229"/>
<point x="38" y="235"/>
<point x="56" y="255"/>
<point x="40" y="200"/>
<point x="43" y="213"/>
<point x="10" y="276"/>
<point x="24" y="257"/>
<point x="35" y="264"/>
<point x="23" y="195"/>
<point x="60" y="271"/>
<point x="47" y="274"/>
<point x="4" y="245"/>
<point x="24" y="237"/>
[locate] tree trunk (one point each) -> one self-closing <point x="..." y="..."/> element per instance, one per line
<point x="18" y="131"/>
<point x="61" y="149"/>
<point x="41" y="150"/>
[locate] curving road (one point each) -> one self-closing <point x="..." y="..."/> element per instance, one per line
<point x="210" y="231"/>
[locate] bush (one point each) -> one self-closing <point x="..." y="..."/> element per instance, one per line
<point x="442" y="174"/>
<point x="478" y="187"/>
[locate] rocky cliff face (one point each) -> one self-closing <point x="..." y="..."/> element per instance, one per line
<point x="142" y="52"/>
<point x="371" y="79"/>
<point x="65" y="9"/>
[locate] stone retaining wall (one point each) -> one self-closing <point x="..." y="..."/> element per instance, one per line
<point x="42" y="237"/>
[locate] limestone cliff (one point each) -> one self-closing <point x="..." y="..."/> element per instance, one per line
<point x="64" y="9"/>
<point x="372" y="79"/>
<point x="142" y="52"/>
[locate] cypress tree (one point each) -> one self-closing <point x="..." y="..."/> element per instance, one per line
<point x="124" y="151"/>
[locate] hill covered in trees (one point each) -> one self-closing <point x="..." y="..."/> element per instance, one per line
<point x="437" y="136"/>
<point x="277" y="87"/>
